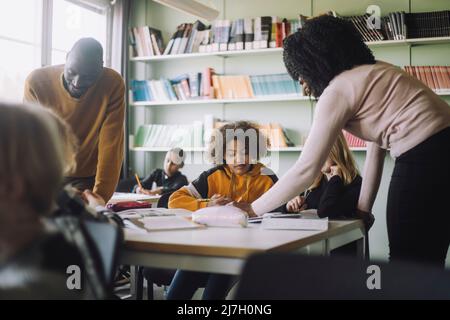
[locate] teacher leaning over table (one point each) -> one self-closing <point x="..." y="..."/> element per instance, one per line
<point x="389" y="109"/>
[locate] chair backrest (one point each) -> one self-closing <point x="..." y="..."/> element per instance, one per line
<point x="163" y="202"/>
<point x="107" y="238"/>
<point x="289" y="276"/>
<point x="126" y="185"/>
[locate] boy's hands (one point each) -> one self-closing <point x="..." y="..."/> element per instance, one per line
<point x="296" y="205"/>
<point x="218" y="200"/>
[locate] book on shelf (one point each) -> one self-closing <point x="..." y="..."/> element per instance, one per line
<point x="222" y="35"/>
<point x="435" y="77"/>
<point x="199" y="133"/>
<point x="249" y="33"/>
<point x="209" y="85"/>
<point x="428" y="24"/>
<point x="236" y="35"/>
<point x="169" y="136"/>
<point x="274" y="133"/>
<point x="145" y="41"/>
<point x="270" y="31"/>
<point x="352" y="141"/>
<point x="368" y="34"/>
<point x="400" y="25"/>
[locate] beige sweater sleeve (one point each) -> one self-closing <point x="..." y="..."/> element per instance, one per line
<point x="332" y="113"/>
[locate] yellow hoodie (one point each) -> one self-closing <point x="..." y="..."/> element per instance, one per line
<point x="220" y="180"/>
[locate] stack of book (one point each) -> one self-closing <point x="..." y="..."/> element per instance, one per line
<point x="222" y="35"/>
<point x="274" y="84"/>
<point x="270" y="31"/>
<point x="183" y="87"/>
<point x="170" y="136"/>
<point x="276" y="135"/>
<point x="191" y="136"/>
<point x="145" y="41"/>
<point x="435" y="77"/>
<point x="368" y="34"/>
<point x="394" y="26"/>
<point x="401" y="25"/>
<point x="208" y="85"/>
<point x="428" y="24"/>
<point x="352" y="141"/>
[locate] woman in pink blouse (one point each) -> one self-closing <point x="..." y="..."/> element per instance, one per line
<point x="389" y="109"/>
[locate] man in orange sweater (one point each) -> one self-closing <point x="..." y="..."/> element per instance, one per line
<point x="90" y="98"/>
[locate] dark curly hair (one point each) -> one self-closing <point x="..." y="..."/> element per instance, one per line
<point x="322" y="49"/>
<point x="229" y="132"/>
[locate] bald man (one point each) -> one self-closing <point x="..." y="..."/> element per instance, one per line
<point x="90" y="98"/>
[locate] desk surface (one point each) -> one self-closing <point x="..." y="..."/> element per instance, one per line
<point x="232" y="242"/>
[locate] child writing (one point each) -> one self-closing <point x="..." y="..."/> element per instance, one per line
<point x="168" y="179"/>
<point x="237" y="176"/>
<point x="335" y="192"/>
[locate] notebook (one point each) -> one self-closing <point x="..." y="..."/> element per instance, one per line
<point x="152" y="212"/>
<point x="305" y="220"/>
<point x="121" y="197"/>
<point x="165" y="223"/>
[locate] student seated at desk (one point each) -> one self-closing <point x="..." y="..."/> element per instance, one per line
<point x="34" y="254"/>
<point x="167" y="180"/>
<point x="39" y="238"/>
<point x="237" y="176"/>
<point x="335" y="192"/>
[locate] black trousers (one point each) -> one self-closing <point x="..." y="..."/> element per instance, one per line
<point x="418" y="206"/>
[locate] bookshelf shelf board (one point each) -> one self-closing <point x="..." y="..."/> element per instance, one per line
<point x="443" y="92"/>
<point x="414" y="41"/>
<point x="287" y="149"/>
<point x="208" y="54"/>
<point x="231" y="101"/>
<point x="217" y="101"/>
<point x="384" y="43"/>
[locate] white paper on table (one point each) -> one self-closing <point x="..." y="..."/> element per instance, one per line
<point x="221" y="216"/>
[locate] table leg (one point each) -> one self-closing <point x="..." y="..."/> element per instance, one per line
<point x="360" y="248"/>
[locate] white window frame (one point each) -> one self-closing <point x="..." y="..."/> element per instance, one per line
<point x="99" y="6"/>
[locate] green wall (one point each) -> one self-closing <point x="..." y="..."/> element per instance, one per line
<point x="295" y="116"/>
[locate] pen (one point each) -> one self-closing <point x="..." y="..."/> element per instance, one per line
<point x="138" y="181"/>
<point x="203" y="200"/>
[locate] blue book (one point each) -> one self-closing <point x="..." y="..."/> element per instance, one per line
<point x="169" y="89"/>
<point x="138" y="88"/>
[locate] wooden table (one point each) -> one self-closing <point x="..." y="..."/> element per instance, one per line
<point x="224" y="250"/>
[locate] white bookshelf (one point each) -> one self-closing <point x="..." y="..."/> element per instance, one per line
<point x="202" y="149"/>
<point x="384" y="43"/>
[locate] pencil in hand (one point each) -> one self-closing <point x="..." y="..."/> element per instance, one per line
<point x="138" y="181"/>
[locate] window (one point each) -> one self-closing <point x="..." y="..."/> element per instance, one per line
<point x="35" y="33"/>
<point x="72" y="22"/>
<point x="20" y="44"/>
